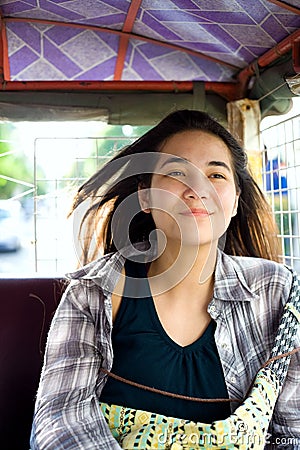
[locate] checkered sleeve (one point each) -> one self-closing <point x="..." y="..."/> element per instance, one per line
<point x="67" y="413"/>
<point x="286" y="421"/>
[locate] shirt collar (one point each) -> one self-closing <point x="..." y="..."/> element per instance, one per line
<point x="106" y="270"/>
<point x="230" y="282"/>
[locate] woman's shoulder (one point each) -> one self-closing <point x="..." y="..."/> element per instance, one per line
<point x="90" y="285"/>
<point x="91" y="269"/>
<point x="250" y="263"/>
<point x="105" y="270"/>
<point x="256" y="273"/>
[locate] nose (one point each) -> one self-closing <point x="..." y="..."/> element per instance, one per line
<point x="197" y="188"/>
<point x="191" y="193"/>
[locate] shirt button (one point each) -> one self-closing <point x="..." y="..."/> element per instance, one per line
<point x="213" y="308"/>
<point x="233" y="380"/>
<point x="224" y="346"/>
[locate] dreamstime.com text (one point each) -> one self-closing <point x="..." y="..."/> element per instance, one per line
<point x="206" y="439"/>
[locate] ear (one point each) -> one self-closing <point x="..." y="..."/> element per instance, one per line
<point x="235" y="206"/>
<point x="143" y="195"/>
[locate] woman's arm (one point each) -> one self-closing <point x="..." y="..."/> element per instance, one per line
<point x="67" y="413"/>
<point x="286" y="419"/>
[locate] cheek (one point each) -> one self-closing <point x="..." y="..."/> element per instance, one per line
<point x="227" y="200"/>
<point x="163" y="198"/>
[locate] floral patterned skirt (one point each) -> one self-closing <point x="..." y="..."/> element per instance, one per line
<point x="245" y="429"/>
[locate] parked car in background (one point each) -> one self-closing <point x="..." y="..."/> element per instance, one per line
<point x="10" y="225"/>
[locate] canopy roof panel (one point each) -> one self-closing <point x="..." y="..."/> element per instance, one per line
<point x="223" y="43"/>
<point x="180" y="40"/>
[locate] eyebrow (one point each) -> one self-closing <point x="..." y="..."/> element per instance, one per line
<point x="219" y="164"/>
<point x="177" y="159"/>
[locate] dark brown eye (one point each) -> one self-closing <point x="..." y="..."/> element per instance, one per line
<point x="218" y="176"/>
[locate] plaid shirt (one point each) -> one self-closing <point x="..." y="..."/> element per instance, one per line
<point x="247" y="304"/>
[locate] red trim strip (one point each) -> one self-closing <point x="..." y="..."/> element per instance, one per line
<point x="296" y="56"/>
<point x="131" y="15"/>
<point x="267" y="58"/>
<point x="167" y="86"/>
<point x="285" y="5"/>
<point x="271" y="55"/>
<point x="123" y="45"/>
<point x="124" y="39"/>
<point x="4" y="61"/>
<point x="227" y="90"/>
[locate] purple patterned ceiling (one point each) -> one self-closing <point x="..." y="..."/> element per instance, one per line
<point x="234" y="32"/>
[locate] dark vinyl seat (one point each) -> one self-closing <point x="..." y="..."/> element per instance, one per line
<point x="27" y="308"/>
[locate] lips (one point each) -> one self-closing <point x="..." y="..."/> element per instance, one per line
<point x="196" y="212"/>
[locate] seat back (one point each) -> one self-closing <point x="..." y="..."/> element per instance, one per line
<point x="27" y="308"/>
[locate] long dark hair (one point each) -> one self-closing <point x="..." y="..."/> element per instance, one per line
<point x="252" y="232"/>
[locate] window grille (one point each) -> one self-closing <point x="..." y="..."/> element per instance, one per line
<point x="281" y="181"/>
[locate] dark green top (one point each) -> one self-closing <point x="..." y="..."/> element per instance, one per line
<point x="144" y="353"/>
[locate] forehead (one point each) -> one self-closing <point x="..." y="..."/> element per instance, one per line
<point x="196" y="145"/>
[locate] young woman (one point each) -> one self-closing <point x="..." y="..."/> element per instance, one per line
<point x="185" y="299"/>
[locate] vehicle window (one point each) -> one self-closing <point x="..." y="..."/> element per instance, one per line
<point x="41" y="166"/>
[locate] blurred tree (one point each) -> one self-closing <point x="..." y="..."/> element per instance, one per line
<point x="13" y="165"/>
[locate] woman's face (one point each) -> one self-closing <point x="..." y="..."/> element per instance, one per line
<point x="192" y="196"/>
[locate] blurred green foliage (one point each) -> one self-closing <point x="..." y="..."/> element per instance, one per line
<point x="14" y="164"/>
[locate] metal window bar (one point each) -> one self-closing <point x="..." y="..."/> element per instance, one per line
<point x="281" y="183"/>
<point x="86" y="159"/>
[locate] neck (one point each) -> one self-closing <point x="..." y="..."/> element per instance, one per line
<point x="190" y="266"/>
